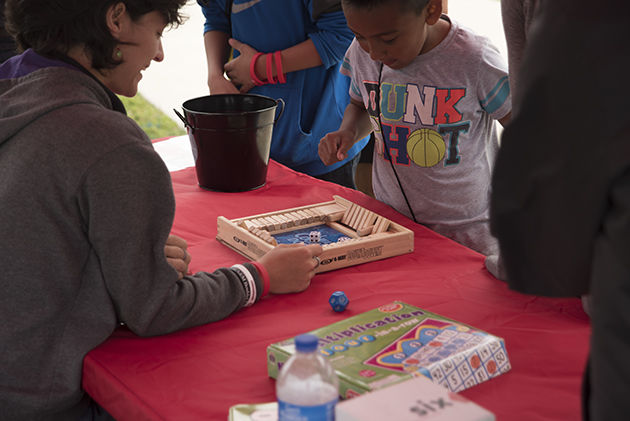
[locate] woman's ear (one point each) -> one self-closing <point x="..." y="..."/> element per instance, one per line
<point x="115" y="18"/>
<point x="434" y="11"/>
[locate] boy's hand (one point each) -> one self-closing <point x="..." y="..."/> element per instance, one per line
<point x="291" y="267"/>
<point x="335" y="145"/>
<point x="221" y="85"/>
<point x="238" y="69"/>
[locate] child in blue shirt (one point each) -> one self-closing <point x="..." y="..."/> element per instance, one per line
<point x="303" y="42"/>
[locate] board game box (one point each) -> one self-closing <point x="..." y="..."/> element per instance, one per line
<point x="348" y="233"/>
<point x="398" y="341"/>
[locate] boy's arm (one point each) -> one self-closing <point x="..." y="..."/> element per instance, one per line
<point x="355" y="126"/>
<point x="331" y="38"/>
<point x="298" y="57"/>
<point x="505" y="120"/>
<point x="493" y="86"/>
<point x="217" y="52"/>
<point x="326" y="47"/>
<point x="356" y="117"/>
<point x="216" y="31"/>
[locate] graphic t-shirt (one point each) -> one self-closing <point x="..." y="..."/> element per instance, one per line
<point x="437" y="122"/>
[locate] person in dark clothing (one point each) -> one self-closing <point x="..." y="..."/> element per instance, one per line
<point x="517" y="16"/>
<point x="561" y="188"/>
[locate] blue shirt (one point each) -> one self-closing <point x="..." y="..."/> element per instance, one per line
<point x="315" y="98"/>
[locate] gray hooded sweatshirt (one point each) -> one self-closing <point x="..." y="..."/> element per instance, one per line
<point x="86" y="205"/>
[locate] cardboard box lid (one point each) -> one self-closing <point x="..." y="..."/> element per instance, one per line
<point x="412" y="400"/>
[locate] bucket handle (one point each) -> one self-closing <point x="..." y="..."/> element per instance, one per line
<point x="181" y="117"/>
<point x="279" y="100"/>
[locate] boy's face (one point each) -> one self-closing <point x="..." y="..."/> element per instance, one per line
<point x="388" y="34"/>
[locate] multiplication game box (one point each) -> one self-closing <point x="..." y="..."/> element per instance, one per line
<point x="398" y="341"/>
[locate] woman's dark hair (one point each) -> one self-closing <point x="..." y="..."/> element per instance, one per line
<point x="52" y="27"/>
<point x="416" y="5"/>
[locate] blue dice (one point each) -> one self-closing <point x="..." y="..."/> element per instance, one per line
<point x="338" y="301"/>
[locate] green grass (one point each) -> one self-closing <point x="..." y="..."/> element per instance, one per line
<point x="153" y="121"/>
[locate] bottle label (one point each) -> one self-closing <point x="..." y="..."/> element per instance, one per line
<point x="290" y="412"/>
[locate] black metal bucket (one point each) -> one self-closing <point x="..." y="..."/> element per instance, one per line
<point x="230" y="136"/>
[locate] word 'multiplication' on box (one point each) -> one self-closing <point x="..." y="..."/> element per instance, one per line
<point x="398" y="341"/>
<point x="348" y="233"/>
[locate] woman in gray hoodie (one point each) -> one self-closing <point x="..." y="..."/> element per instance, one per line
<point x="87" y="206"/>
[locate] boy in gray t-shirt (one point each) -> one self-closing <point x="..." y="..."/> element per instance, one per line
<point x="430" y="90"/>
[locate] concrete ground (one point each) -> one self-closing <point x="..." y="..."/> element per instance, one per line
<point x="182" y="75"/>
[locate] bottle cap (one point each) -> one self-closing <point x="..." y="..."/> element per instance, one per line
<point x="306" y="342"/>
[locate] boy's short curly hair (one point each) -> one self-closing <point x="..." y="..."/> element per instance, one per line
<point x="416" y="5"/>
<point x="52" y="27"/>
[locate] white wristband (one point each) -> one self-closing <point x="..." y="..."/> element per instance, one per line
<point x="252" y="284"/>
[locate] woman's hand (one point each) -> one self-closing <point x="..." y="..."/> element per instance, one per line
<point x="176" y="254"/>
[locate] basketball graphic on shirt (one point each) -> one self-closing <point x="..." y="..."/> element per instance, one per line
<point x="425" y="147"/>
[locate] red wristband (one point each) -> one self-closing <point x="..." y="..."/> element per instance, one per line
<point x="278" y="59"/>
<point x="269" y="62"/>
<point x="265" y="277"/>
<point x="252" y="70"/>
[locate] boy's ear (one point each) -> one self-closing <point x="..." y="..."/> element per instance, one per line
<point x="434" y="11"/>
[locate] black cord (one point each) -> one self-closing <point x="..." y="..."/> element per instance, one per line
<point x="385" y="148"/>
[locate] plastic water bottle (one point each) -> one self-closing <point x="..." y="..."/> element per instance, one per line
<point x="307" y="388"/>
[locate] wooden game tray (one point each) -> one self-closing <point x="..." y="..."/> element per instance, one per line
<point x="368" y="236"/>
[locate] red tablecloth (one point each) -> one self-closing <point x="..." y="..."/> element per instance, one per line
<point x="197" y="374"/>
